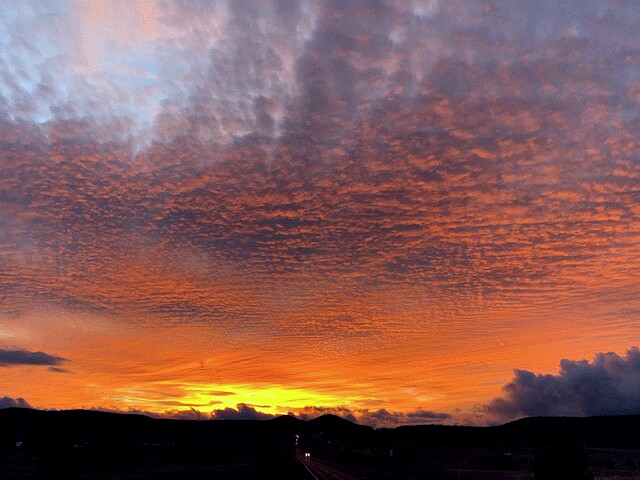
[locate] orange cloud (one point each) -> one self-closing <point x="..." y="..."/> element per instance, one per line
<point x="320" y="214"/>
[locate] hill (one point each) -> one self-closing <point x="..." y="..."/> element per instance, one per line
<point x="64" y="444"/>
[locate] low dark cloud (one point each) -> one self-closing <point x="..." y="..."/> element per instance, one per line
<point x="57" y="370"/>
<point x="24" y="357"/>
<point x="381" y="418"/>
<point x="377" y="418"/>
<point x="8" y="402"/>
<point x="221" y="393"/>
<point x="191" y="414"/>
<point x="374" y="418"/>
<point x="385" y="418"/>
<point x="311" y="412"/>
<point x="243" y="412"/>
<point x="610" y="385"/>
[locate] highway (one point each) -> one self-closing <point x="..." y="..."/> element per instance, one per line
<point x="327" y="470"/>
<point x="321" y="470"/>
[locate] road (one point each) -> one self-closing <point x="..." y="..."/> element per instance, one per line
<point x="327" y="470"/>
<point x="323" y="470"/>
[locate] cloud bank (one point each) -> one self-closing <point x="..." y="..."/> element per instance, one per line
<point x="380" y="418"/>
<point x="455" y="151"/>
<point x="609" y="385"/>
<point x="241" y="412"/>
<point x="402" y="181"/>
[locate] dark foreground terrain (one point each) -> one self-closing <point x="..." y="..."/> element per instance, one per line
<point x="97" y="445"/>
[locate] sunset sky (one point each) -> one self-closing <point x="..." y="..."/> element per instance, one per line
<point x="401" y="212"/>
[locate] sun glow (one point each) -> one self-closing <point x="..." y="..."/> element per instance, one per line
<point x="272" y="399"/>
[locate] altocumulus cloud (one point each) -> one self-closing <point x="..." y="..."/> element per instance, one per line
<point x="610" y="385"/>
<point x="377" y="145"/>
<point x="313" y="172"/>
<point x="24" y="357"/>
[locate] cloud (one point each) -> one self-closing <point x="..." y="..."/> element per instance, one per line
<point x="347" y="152"/>
<point x="375" y="418"/>
<point x="311" y="412"/>
<point x="331" y="176"/>
<point x="220" y="393"/>
<point x="24" y="357"/>
<point x="191" y="414"/>
<point x="380" y="418"/>
<point x="8" y="402"/>
<point x="242" y="412"/>
<point x="57" y="370"/>
<point x="384" y="418"/>
<point x="609" y="385"/>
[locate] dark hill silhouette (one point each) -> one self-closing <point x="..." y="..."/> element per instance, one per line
<point x="65" y="443"/>
<point x="606" y="431"/>
<point x="289" y="420"/>
<point x="331" y="422"/>
<point x="619" y="431"/>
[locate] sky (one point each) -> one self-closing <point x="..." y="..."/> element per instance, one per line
<point x="400" y="212"/>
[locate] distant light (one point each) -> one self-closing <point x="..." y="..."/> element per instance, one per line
<point x="307" y="455"/>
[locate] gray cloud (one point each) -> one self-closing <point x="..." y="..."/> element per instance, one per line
<point x="374" y="418"/>
<point x="385" y="418"/>
<point x="243" y="412"/>
<point x="311" y="412"/>
<point x="610" y="385"/>
<point x="24" y="357"/>
<point x="57" y="370"/>
<point x="8" y="402"/>
<point x="380" y="418"/>
<point x="460" y="155"/>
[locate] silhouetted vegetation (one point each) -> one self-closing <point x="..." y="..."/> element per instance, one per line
<point x="562" y="463"/>
<point x="81" y="444"/>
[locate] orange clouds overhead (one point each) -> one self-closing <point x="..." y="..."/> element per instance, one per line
<point x="326" y="218"/>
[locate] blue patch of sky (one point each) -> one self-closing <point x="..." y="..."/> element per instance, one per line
<point x="37" y="49"/>
<point x="28" y="43"/>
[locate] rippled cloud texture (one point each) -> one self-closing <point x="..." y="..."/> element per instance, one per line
<point x="363" y="205"/>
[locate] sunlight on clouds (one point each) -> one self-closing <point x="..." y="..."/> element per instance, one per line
<point x="355" y="204"/>
<point x="274" y="399"/>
